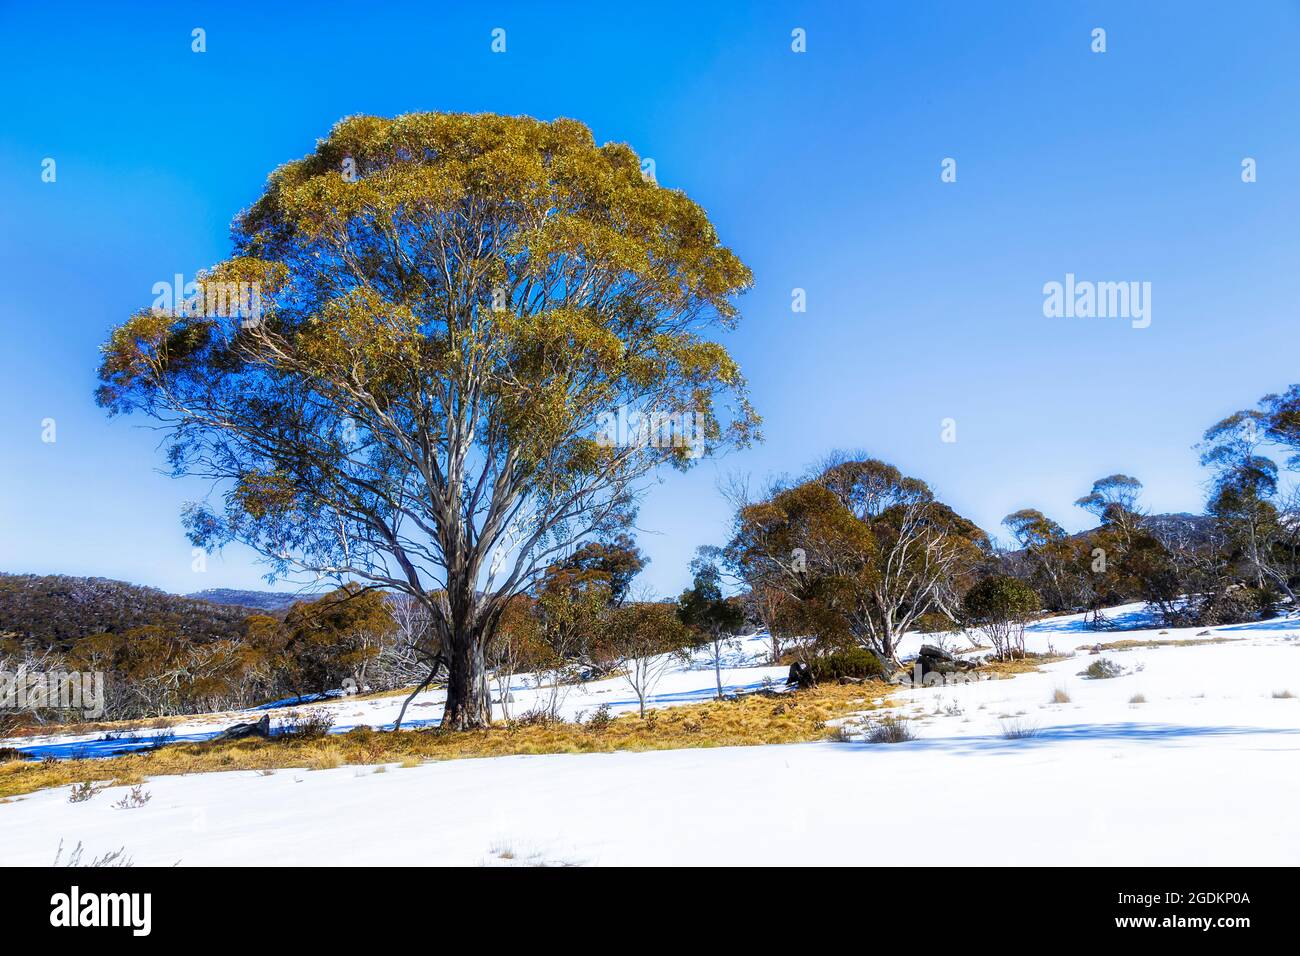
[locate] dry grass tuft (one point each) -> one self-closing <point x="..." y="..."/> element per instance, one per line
<point x="1014" y="728"/>
<point x="890" y="730"/>
<point x="1059" y="696"/>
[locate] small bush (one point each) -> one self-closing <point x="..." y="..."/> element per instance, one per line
<point x="857" y="662"/>
<point x="1102" y="669"/>
<point x="600" y="719"/>
<point x="10" y="753"/>
<point x="1235" y="606"/>
<point x="308" y="725"/>
<point x="890" y="730"/>
<point x="137" y="797"/>
<point x="1137" y="699"/>
<point x="1059" y="696"/>
<point x="539" y="716"/>
<point x="83" y="792"/>
<point x="1282" y="695"/>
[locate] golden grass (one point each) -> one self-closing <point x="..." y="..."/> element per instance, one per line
<point x="1128" y="645"/>
<point x="754" y="719"/>
<point x="1028" y="664"/>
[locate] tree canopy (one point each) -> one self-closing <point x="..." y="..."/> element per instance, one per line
<point x="449" y="308"/>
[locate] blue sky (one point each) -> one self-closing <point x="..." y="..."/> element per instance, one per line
<point x="821" y="169"/>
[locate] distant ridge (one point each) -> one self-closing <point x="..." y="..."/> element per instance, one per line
<point x="260" y="600"/>
<point x="58" y="609"/>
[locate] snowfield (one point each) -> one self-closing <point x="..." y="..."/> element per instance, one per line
<point x="1203" y="772"/>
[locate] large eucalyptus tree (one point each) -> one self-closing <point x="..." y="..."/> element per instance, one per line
<point x="450" y="310"/>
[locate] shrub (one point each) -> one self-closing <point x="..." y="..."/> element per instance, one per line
<point x="600" y="719"/>
<point x="83" y="792"/>
<point x="1282" y="695"/>
<point x="308" y="725"/>
<point x="1102" y="669"/>
<point x="1137" y="699"/>
<point x="1235" y="606"/>
<point x="1059" y="696"/>
<point x="855" y="662"/>
<point x="137" y="797"/>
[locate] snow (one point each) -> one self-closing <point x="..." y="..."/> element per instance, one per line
<point x="1202" y="773"/>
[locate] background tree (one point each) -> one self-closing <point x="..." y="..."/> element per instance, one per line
<point x="861" y="551"/>
<point x="1242" y="490"/>
<point x="1001" y="606"/>
<point x="1045" y="544"/>
<point x="423" y="400"/>
<point x="334" y="639"/>
<point x="704" y="610"/>
<point x="646" y="639"/>
<point x="1113" y="500"/>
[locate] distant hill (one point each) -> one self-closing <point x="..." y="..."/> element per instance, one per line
<point x="57" y="610"/>
<point x="1181" y="526"/>
<point x="1170" y="528"/>
<point x="258" y="600"/>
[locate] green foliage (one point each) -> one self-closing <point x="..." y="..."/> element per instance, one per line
<point x="702" y="607"/>
<point x="1102" y="669"/>
<point x="859" y="552"/>
<point x="999" y="598"/>
<point x="1001" y="605"/>
<point x="852" y="662"/>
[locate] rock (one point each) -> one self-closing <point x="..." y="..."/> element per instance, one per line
<point x="261" y="728"/>
<point x="935" y="660"/>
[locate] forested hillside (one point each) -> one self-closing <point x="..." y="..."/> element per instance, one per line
<point x="57" y="610"/>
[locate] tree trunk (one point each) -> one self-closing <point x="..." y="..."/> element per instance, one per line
<point x="717" y="665"/>
<point x="469" y="706"/>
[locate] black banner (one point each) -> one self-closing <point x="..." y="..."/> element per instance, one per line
<point x="312" y="906"/>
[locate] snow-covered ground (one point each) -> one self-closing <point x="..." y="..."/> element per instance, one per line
<point x="1202" y="772"/>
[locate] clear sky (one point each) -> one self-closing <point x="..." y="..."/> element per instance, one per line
<point x="821" y="169"/>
